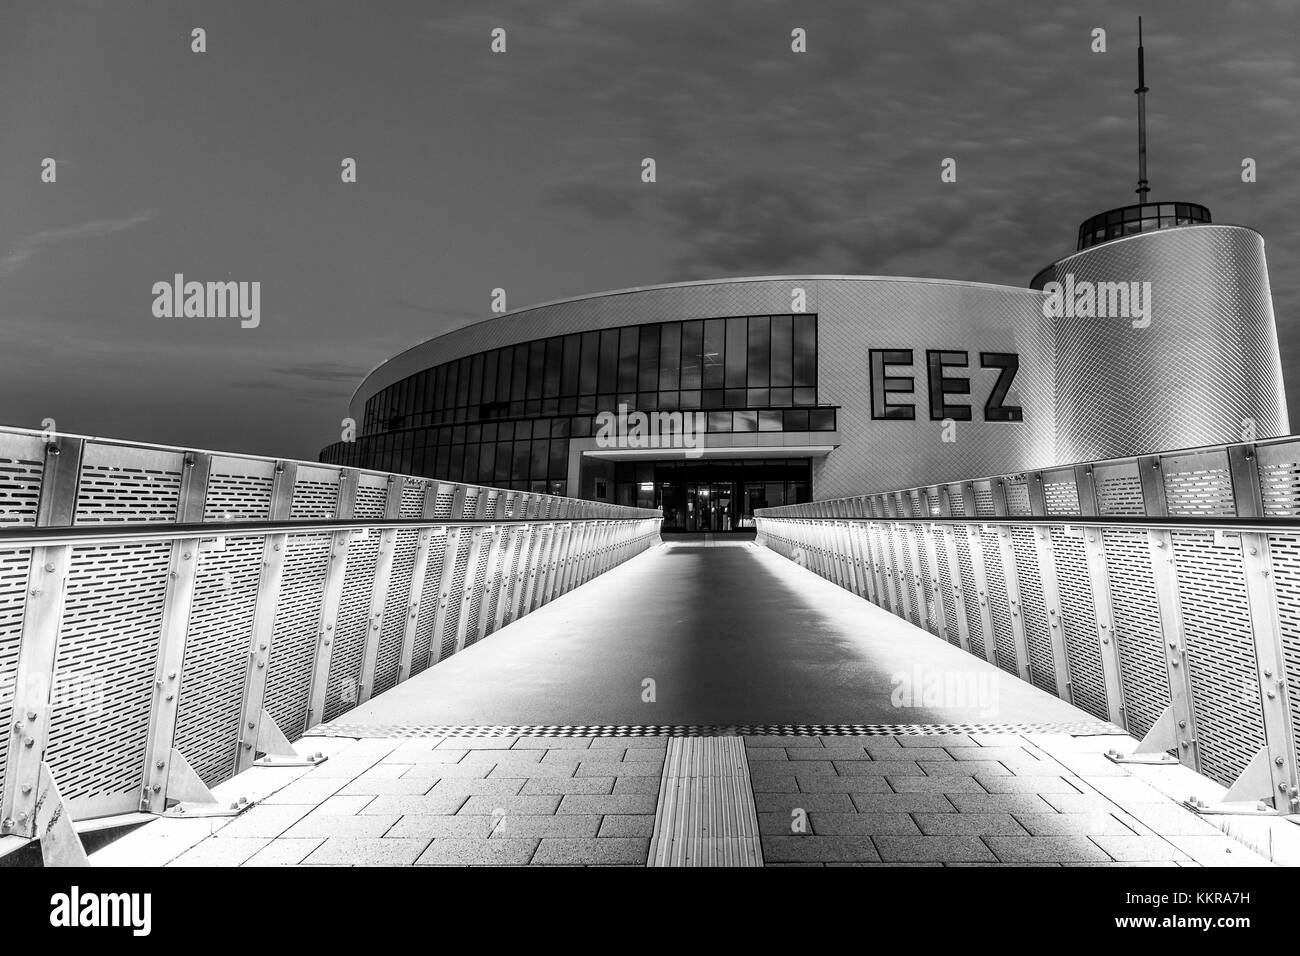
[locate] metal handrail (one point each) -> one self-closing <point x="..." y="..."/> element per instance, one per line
<point x="1179" y="522"/>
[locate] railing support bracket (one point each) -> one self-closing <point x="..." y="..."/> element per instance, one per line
<point x="1161" y="738"/>
<point x="276" y="749"/>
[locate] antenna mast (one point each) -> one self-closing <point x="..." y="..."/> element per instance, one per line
<point x="1141" y="91"/>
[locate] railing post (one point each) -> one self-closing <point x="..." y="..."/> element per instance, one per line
<point x="1269" y="660"/>
<point x="1165" y="578"/>
<point x="1094" y="549"/>
<point x="491" y="581"/>
<point x="379" y="589"/>
<point x="330" y="598"/>
<point x="274" y="550"/>
<point x="932" y="542"/>
<point x="419" y="571"/>
<point x="1051" y="589"/>
<point x="476" y="546"/>
<point x="1011" y="575"/>
<point x="949" y="535"/>
<point x="450" y="554"/>
<point x="506" y="576"/>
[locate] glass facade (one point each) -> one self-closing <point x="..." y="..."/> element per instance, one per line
<point x="1145" y="217"/>
<point x="712" y="495"/>
<point x="505" y="417"/>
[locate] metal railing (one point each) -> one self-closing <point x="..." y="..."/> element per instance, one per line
<point x="164" y="610"/>
<point x="1159" y="592"/>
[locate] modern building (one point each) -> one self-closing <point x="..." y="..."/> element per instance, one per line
<point x="712" y="399"/>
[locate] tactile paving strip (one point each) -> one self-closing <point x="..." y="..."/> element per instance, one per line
<point x="340" y="729"/>
<point x="706" y="814"/>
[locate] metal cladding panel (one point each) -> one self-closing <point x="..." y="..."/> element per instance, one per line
<point x="216" y="656"/>
<point x="475" y="604"/>
<point x="396" y="609"/>
<point x="1285" y="558"/>
<point x="111" y="621"/>
<point x="1199" y="484"/>
<point x="427" y="615"/>
<point x="1119" y="489"/>
<point x="1061" y="495"/>
<point x="1207" y="361"/>
<point x="1220" y="653"/>
<point x="239" y="489"/>
<point x="1033" y="611"/>
<point x="455" y="598"/>
<point x="1004" y="648"/>
<point x="1017" y="497"/>
<point x="372" y="497"/>
<point x="21" y="468"/>
<point x="14" y="567"/>
<point x="353" y="625"/>
<point x="1087" y="679"/>
<point x="1279" y="479"/>
<point x="412" y="504"/>
<point x="1135" y="610"/>
<point x="974" y="621"/>
<point x="296" y="630"/>
<point x="927" y="585"/>
<point x="121" y="484"/>
<point x="442" y="505"/>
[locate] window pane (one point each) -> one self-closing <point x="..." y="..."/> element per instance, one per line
<point x="571" y="363"/>
<point x="670" y="359"/>
<point x="519" y="470"/>
<point x="648" y="363"/>
<point x="519" y="373"/>
<point x="589" y="364"/>
<point x="453" y="375"/>
<point x="536" y="368"/>
<point x="737" y="352"/>
<point x="608" y="360"/>
<point x="769" y="421"/>
<point x="759" y="350"/>
<point x="540" y="458"/>
<point x="821" y="419"/>
<point x="487" y="456"/>
<point x="796" y="420"/>
<point x="715" y="331"/>
<point x="551" y="377"/>
<point x="502" y="467"/>
<point x="462" y="383"/>
<point x="719" y="421"/>
<point x="805" y="351"/>
<point x="746" y="421"/>
<point x="627" y="347"/>
<point x="559" y="466"/>
<point x="692" y="343"/>
<point x="490" y="376"/>
<point x="782" y="351"/>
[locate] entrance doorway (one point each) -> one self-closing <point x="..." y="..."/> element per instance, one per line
<point x="708" y="505"/>
<point x="710" y="495"/>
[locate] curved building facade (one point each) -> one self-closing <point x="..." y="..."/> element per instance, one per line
<point x="712" y="399"/>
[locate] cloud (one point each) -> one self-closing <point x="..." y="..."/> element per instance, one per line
<point x="27" y="247"/>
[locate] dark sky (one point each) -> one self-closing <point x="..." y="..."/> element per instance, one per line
<point x="522" y="171"/>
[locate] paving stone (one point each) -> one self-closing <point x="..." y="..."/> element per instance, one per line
<point x="1134" y="848"/>
<point x="496" y="804"/>
<point x="627" y="768"/>
<point x="428" y="827"/>
<point x="602" y="851"/>
<point x="785" y="802"/>
<point x="1218" y="850"/>
<point x="954" y="768"/>
<point x="573" y="825"/>
<point x="799" y="766"/>
<point x="878" y="768"/>
<point x="1045" y="849"/>
<point x="973" y="824"/>
<point x="477" y="743"/>
<point x="761" y="782"/>
<point x="804" y="754"/>
<point x="861" y="824"/>
<point x="945" y="784"/>
<point x="541" y="786"/>
<point x="1045" y="784"/>
<point x="552" y="743"/>
<point x="995" y="802"/>
<point x="766" y="754"/>
<point x="630" y="743"/>
<point x="443" y="770"/>
<point x="627" y="825"/>
<point x="818" y="849"/>
<point x="265" y="820"/>
<point x="1172" y="820"/>
<point x="902" y="803"/>
<point x="420" y="752"/>
<point x="347" y="851"/>
<point x="283" y="852"/>
<point x="634" y="784"/>
<point x="1011" y="754"/>
<point x="943" y="849"/>
<point x="470" y="788"/>
<point x="307" y="789"/>
<point x="454" y="851"/>
<point x="776" y="740"/>
<point x="612" y="754"/>
<point x="228" y="852"/>
<point x="509" y="758"/>
<point x="825" y="783"/>
<point x="1074" y="802"/>
<point x="775" y="823"/>
<point x="386" y="770"/>
<point x="1072" y="824"/>
<point x="402" y="805"/>
<point x="1127" y="790"/>
<point x="608" y="803"/>
<point x="375" y="786"/>
<point x="936" y="740"/>
<point x="555" y="769"/>
<point x="328" y="825"/>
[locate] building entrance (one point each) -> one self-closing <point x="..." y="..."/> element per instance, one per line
<point x="711" y="495"/>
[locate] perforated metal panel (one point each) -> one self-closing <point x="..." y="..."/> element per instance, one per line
<point x="927" y="584"/>
<point x="315" y="494"/>
<point x="455" y="598"/>
<point x="471" y="503"/>
<point x="104" y="673"/>
<point x="1062" y="497"/>
<point x="1135" y="610"/>
<point x="123" y="484"/>
<point x="904" y="571"/>
<point x="1004" y="648"/>
<point x="1119" y="490"/>
<point x="412" y="503"/>
<point x="952" y="630"/>
<point x="984" y="501"/>
<point x="1220" y="653"/>
<point x="372" y="498"/>
<point x="475" y="604"/>
<point x="1033" y="611"/>
<point x="1017" y="497"/>
<point x="296" y="631"/>
<point x="216" y="656"/>
<point x="350" y="631"/>
<point x="423" y="646"/>
<point x="239" y="490"/>
<point x="20" y="485"/>
<point x="1082" y="650"/>
<point x="974" y="622"/>
<point x="495" y="572"/>
<point x="490" y="508"/>
<point x="1285" y="559"/>
<point x="442" y="505"/>
<point x="1198" y="485"/>
<point x="14" y="567"/>
<point x="396" y="608"/>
